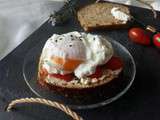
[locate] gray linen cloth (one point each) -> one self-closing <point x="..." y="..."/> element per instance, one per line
<point x="19" y="18"/>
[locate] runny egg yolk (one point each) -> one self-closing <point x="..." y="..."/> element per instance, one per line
<point x="67" y="64"/>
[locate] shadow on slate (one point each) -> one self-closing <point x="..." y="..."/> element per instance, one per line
<point x="140" y="102"/>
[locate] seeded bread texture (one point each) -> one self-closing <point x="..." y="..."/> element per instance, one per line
<point x="98" y="15"/>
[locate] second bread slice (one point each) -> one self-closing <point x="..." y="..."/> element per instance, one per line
<point x="98" y="15"/>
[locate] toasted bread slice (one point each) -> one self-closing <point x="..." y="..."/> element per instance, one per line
<point x="98" y="15"/>
<point x="81" y="91"/>
<point x="108" y="75"/>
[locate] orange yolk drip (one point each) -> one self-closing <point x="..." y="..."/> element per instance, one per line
<point x="67" y="64"/>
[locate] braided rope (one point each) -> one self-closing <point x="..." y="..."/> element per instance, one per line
<point x="57" y="105"/>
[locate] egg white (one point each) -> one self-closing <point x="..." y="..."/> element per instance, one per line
<point x="94" y="50"/>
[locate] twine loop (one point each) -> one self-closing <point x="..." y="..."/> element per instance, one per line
<point x="57" y="105"/>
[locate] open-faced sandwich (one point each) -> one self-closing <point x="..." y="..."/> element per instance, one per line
<point x="77" y="64"/>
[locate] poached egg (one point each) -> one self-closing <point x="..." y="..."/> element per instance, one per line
<point x="75" y="52"/>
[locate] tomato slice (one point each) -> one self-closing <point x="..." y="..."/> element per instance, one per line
<point x="97" y="74"/>
<point x="67" y="77"/>
<point x="114" y="63"/>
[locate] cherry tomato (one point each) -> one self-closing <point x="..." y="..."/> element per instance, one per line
<point x="67" y="77"/>
<point x="97" y="74"/>
<point x="156" y="40"/>
<point x="140" y="36"/>
<point x="114" y="63"/>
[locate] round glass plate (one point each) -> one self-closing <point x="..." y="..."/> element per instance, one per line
<point x="30" y="69"/>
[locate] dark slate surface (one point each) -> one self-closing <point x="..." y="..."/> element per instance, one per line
<point x="140" y="102"/>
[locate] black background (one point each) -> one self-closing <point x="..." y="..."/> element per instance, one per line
<point x="142" y="101"/>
